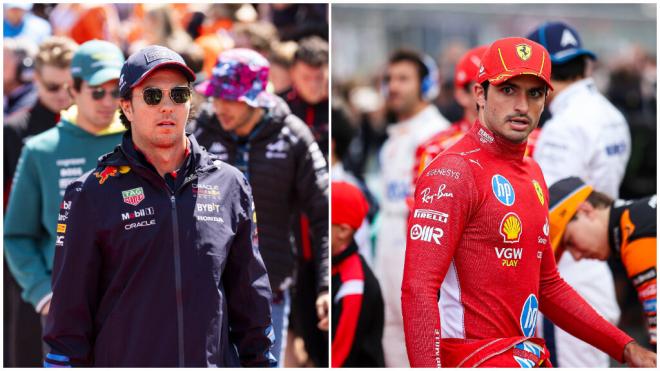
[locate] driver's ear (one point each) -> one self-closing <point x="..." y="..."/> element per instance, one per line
<point x="127" y="107"/>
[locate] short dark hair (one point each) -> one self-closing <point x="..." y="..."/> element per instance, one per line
<point x="312" y="51"/>
<point x="573" y="69"/>
<point x="407" y="55"/>
<point x="600" y="200"/>
<point x="124" y="120"/>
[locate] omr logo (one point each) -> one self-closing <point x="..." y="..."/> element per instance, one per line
<point x="426" y="233"/>
<point x="528" y="315"/>
<point x="503" y="190"/>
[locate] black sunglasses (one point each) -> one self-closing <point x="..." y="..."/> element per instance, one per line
<point x="179" y="95"/>
<point x="52" y="88"/>
<point x="99" y="93"/>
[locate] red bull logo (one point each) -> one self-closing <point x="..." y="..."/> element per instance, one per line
<point x="109" y="171"/>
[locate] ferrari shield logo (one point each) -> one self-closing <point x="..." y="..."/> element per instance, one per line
<point x="539" y="191"/>
<point x="524" y="51"/>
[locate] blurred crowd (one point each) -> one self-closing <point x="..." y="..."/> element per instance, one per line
<point x="387" y="126"/>
<point x="39" y="43"/>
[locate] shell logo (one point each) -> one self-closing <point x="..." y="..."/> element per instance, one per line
<point x="511" y="228"/>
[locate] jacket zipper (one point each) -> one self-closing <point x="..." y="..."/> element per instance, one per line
<point x="177" y="280"/>
<point x="177" y="272"/>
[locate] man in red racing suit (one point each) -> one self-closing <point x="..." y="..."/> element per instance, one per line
<point x="478" y="236"/>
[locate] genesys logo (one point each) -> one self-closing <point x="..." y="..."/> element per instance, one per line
<point x="511" y="228"/>
<point x="510" y="256"/>
<point x="503" y="190"/>
<point x="426" y="233"/>
<point x="444" y="172"/>
<point x="438" y="216"/>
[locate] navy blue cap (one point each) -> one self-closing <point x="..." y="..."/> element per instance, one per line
<point x="145" y="61"/>
<point x="561" y="40"/>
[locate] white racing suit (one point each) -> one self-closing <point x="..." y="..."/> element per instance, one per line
<point x="589" y="138"/>
<point x="396" y="160"/>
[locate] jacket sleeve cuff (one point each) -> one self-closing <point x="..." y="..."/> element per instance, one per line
<point x="56" y="361"/>
<point x="40" y="305"/>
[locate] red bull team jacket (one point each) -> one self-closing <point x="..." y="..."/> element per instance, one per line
<point x="159" y="272"/>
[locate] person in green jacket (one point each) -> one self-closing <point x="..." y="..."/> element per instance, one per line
<point x="53" y="159"/>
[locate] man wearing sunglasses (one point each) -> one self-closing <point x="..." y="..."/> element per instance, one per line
<point x="51" y="69"/>
<point x="256" y="132"/>
<point x="157" y="262"/>
<point x="53" y="159"/>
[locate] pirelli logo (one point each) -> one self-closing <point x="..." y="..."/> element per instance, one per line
<point x="431" y="214"/>
<point x="61" y="228"/>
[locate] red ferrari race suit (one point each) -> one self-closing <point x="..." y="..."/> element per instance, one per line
<point x="478" y="234"/>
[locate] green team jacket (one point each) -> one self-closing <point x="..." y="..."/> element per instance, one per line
<point x="48" y="163"/>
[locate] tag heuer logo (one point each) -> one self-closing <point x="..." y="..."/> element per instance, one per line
<point x="133" y="196"/>
<point x="524" y="51"/>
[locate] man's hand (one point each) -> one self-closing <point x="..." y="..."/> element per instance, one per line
<point x="636" y="356"/>
<point x="322" y="305"/>
<point x="45" y="309"/>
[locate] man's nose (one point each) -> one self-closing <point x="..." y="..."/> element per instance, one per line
<point x="522" y="104"/>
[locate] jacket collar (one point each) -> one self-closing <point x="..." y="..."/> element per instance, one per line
<point x="350" y="250"/>
<point x="126" y="154"/>
<point x="614" y="228"/>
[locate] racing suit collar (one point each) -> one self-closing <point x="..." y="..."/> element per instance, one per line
<point x="348" y="251"/>
<point x="496" y="145"/>
<point x="565" y="97"/>
<point x="614" y="235"/>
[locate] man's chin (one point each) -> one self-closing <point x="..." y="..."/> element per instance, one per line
<point x="166" y="140"/>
